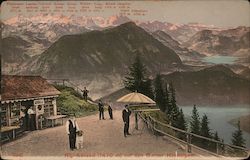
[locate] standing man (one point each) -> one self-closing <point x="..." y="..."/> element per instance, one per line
<point x="125" y="116"/>
<point x="85" y="94"/>
<point x="110" y="112"/>
<point x="71" y="129"/>
<point x="101" y="110"/>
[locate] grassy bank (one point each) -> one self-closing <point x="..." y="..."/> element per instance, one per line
<point x="71" y="102"/>
<point x="158" y="115"/>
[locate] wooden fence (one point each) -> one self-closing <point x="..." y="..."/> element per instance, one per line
<point x="190" y="140"/>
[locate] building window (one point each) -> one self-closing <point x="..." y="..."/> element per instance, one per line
<point x="14" y="113"/>
<point x="3" y="115"/>
<point x="48" y="107"/>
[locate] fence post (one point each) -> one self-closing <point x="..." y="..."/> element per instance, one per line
<point x="150" y="123"/>
<point x="188" y="139"/>
<point x="217" y="148"/>
<point x="153" y="124"/>
<point x="154" y="131"/>
<point x="136" y="120"/>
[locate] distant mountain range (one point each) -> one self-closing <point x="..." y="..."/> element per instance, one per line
<point x="52" y="27"/>
<point x="42" y="30"/>
<point x="184" y="53"/>
<point x="180" y="32"/>
<point x="231" y="42"/>
<point x="107" y="51"/>
<point x="39" y="35"/>
<point x="13" y="49"/>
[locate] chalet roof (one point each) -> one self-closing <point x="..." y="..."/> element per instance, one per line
<point x="15" y="87"/>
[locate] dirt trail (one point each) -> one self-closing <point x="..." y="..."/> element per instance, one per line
<point x="100" y="137"/>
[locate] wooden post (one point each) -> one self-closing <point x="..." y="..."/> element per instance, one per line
<point x="150" y="123"/>
<point x="188" y="139"/>
<point x="154" y="131"/>
<point x="190" y="142"/>
<point x="217" y="148"/>
<point x="136" y="120"/>
<point x="187" y="142"/>
<point x="13" y="134"/>
<point x="52" y="122"/>
<point x="41" y="123"/>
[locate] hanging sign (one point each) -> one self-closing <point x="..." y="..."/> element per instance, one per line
<point x="39" y="102"/>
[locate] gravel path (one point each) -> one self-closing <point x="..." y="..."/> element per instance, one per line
<point x="101" y="137"/>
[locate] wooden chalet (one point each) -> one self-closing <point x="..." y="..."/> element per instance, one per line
<point x="19" y="93"/>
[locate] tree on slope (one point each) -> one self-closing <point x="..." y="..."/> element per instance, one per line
<point x="137" y="80"/>
<point x="159" y="93"/>
<point x="195" y="121"/>
<point x="237" y="137"/>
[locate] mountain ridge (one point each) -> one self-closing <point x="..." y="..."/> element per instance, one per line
<point x="184" y="53"/>
<point x="231" y="42"/>
<point x="214" y="85"/>
<point x="104" y="51"/>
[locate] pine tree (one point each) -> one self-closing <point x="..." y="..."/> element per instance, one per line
<point x="237" y="137"/>
<point x="136" y="79"/>
<point x="173" y="108"/>
<point x="216" y="137"/>
<point x="136" y="75"/>
<point x="147" y="88"/>
<point x="172" y="101"/>
<point x="159" y="93"/>
<point x="195" y="121"/>
<point x="205" y="130"/>
<point x="181" y="123"/>
<point x="167" y="98"/>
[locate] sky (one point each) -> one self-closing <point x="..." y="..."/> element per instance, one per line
<point x="220" y="13"/>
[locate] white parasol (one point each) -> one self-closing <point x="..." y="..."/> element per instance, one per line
<point x="136" y="98"/>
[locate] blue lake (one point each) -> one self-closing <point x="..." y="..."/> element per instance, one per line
<point x="219" y="118"/>
<point x="220" y="59"/>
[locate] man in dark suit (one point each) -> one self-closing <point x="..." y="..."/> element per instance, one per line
<point x="110" y="112"/>
<point x="101" y="110"/>
<point x="71" y="129"/>
<point x="125" y="116"/>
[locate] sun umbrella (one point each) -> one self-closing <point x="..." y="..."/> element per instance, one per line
<point x="136" y="97"/>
